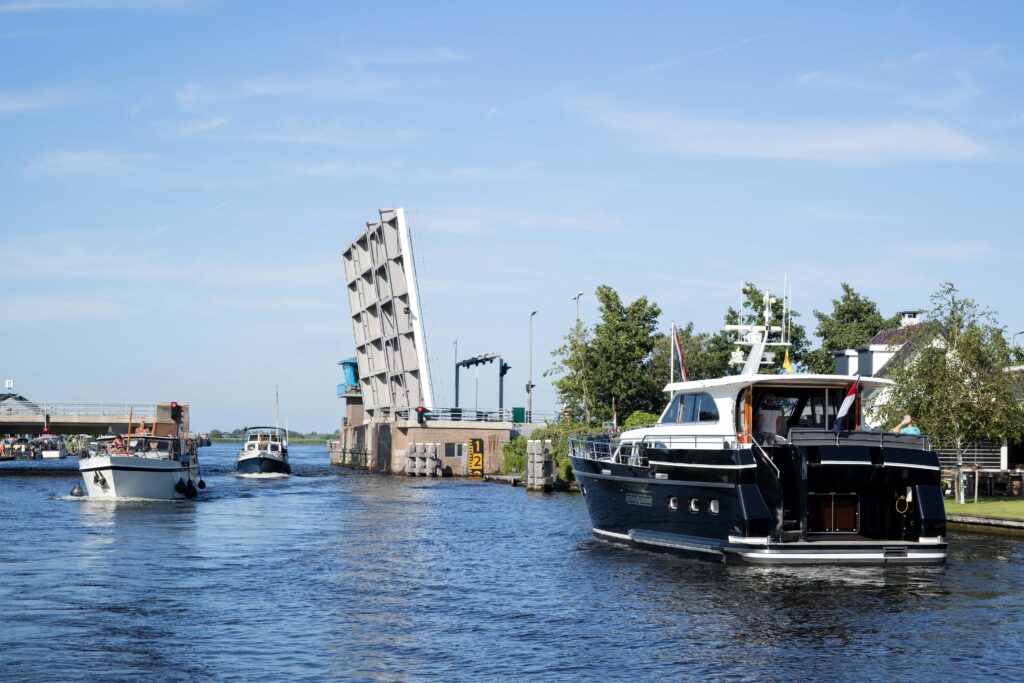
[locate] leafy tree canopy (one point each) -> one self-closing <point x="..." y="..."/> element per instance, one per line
<point x="954" y="381"/>
<point x="853" y="322"/>
<point x="609" y="372"/>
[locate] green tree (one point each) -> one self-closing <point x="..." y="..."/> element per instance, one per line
<point x="621" y="356"/>
<point x="570" y="371"/>
<point x="609" y="371"/>
<point x="853" y="322"/>
<point x="954" y="382"/>
<point x="640" y="418"/>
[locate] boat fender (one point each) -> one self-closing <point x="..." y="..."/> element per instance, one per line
<point x="190" y="490"/>
<point x="180" y="486"/>
<point x="77" y="491"/>
<point x="202" y="484"/>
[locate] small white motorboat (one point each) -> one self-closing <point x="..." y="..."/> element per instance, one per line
<point x="142" y="466"/>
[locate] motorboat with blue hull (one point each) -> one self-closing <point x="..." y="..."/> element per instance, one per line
<point x="767" y="469"/>
<point x="264" y="451"/>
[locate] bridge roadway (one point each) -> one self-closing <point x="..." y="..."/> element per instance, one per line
<point x="32" y="417"/>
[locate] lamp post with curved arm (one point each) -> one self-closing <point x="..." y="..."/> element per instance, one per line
<point x="529" y="377"/>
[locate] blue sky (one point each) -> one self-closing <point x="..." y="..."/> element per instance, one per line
<point x="179" y="178"/>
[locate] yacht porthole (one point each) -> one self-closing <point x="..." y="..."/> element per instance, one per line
<point x="673" y="503"/>
<point x="695" y="505"/>
<point x="713" y="506"/>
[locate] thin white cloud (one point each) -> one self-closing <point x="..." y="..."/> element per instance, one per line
<point x="399" y="170"/>
<point x="434" y="55"/>
<point x="659" y="66"/>
<point x="193" y="94"/>
<point x="36" y="101"/>
<point x="331" y="135"/>
<point x="200" y="126"/>
<point x="86" y="162"/>
<point x="953" y="253"/>
<point x="476" y="220"/>
<point x="840" y="216"/>
<point x="678" y="133"/>
<point x="27" y="6"/>
<point x="59" y="307"/>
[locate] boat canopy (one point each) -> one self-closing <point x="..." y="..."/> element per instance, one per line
<point x="801" y="380"/>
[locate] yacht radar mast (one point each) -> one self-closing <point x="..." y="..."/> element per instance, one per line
<point x="758" y="337"/>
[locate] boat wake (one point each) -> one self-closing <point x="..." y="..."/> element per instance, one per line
<point x="261" y="475"/>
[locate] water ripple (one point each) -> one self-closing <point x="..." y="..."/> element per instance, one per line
<point x="333" y="574"/>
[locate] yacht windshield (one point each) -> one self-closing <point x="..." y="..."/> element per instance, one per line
<point x="780" y="409"/>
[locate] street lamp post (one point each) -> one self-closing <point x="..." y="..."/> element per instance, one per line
<point x="577" y="300"/>
<point x="529" y="378"/>
<point x="1013" y="339"/>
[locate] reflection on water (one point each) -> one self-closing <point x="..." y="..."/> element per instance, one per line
<point x="333" y="574"/>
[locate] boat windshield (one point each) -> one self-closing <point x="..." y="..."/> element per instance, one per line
<point x="777" y="409"/>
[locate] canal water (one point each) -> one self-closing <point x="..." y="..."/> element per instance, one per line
<point x="339" y="575"/>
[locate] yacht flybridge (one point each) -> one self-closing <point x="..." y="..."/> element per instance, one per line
<point x="767" y="469"/>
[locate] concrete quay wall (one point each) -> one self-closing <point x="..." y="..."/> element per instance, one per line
<point x="382" y="446"/>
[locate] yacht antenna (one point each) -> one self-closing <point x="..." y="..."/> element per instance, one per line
<point x="785" y="306"/>
<point x="789" y="312"/>
<point x="277" y="420"/>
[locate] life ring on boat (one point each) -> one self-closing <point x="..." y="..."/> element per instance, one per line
<point x="906" y="505"/>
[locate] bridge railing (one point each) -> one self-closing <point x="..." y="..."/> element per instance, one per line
<point x="69" y="408"/>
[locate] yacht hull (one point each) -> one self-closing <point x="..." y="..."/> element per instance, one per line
<point x="630" y="506"/>
<point x="262" y="464"/>
<point x="112" y="477"/>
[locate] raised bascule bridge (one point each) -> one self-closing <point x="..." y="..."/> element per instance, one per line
<point x="66" y="417"/>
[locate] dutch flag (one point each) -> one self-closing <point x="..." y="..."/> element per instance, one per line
<point x="851" y="396"/>
<point x="679" y="352"/>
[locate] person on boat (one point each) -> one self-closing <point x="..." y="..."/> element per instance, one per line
<point x="117" y="446"/>
<point x="768" y="420"/>
<point x="143" y="429"/>
<point x="907" y="427"/>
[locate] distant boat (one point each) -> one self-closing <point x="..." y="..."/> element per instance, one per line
<point x="263" y="452"/>
<point x="146" y="466"/>
<point x="50" y="447"/>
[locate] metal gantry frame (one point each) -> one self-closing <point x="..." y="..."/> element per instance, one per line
<point x="503" y="369"/>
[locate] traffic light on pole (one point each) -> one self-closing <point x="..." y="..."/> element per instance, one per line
<point x="421" y="415"/>
<point x="504" y="368"/>
<point x="175" y="412"/>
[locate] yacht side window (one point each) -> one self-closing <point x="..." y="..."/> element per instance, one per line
<point x="690" y="408"/>
<point x="707" y="411"/>
<point x="671" y="413"/>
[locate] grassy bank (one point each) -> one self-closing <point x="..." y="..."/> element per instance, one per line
<point x="1008" y="508"/>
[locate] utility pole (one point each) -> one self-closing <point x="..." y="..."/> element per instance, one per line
<point x="529" y="378"/>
